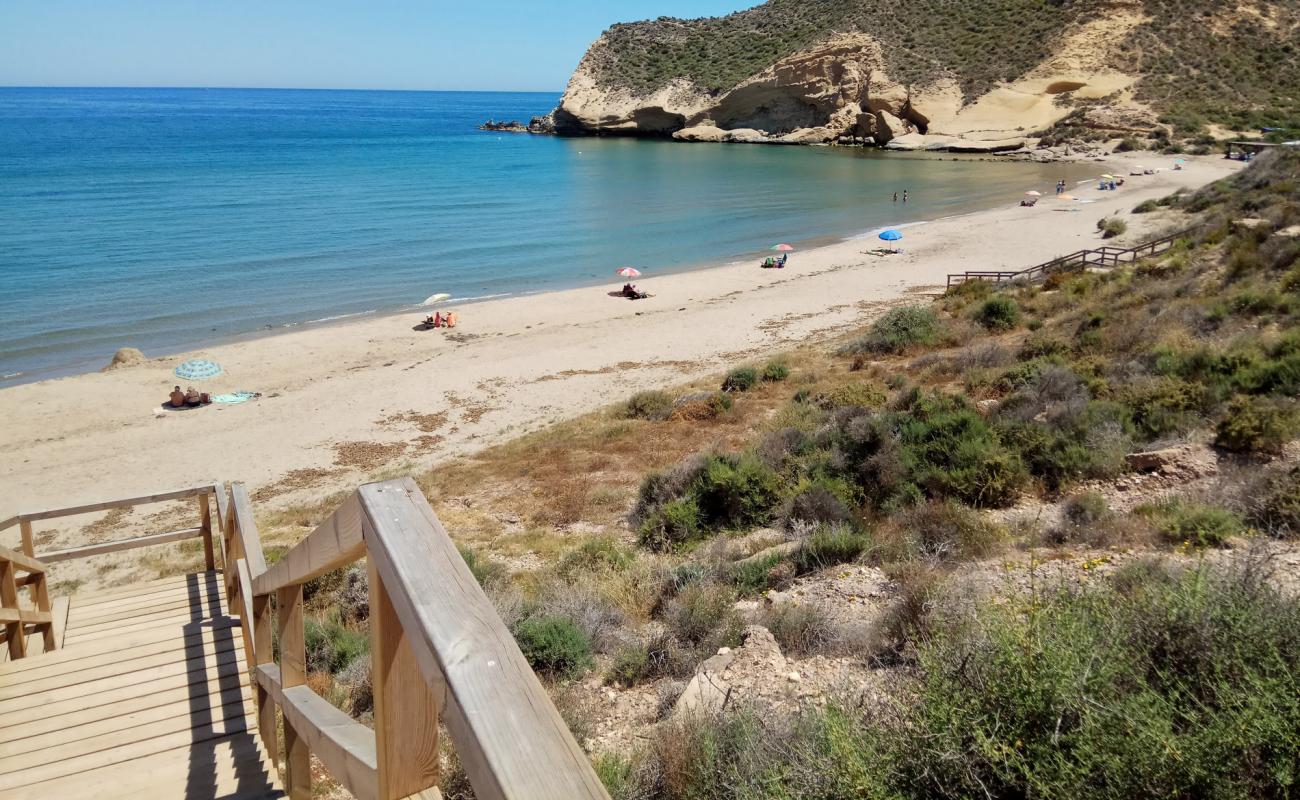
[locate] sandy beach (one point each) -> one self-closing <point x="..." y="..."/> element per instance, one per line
<point x="341" y="402"/>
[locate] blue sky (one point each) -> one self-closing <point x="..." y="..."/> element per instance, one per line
<point x="383" y="44"/>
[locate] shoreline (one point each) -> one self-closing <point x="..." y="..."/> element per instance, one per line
<point x="344" y="401"/>
<point x="289" y="324"/>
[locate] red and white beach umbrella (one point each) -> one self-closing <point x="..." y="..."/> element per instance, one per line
<point x="1033" y="193"/>
<point x="782" y="248"/>
<point x="628" y="272"/>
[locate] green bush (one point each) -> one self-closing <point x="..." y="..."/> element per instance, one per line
<point x="898" y="330"/>
<point x="1146" y="207"/>
<point x="999" y="313"/>
<point x="829" y="546"/>
<point x="1276" y="507"/>
<point x="867" y="394"/>
<point x="752" y="577"/>
<point x="1193" y="524"/>
<point x="704" y="613"/>
<point x="1110" y="227"/>
<point x="554" y="646"/>
<point x="1255" y="425"/>
<point x="485" y="571"/>
<point x="801" y="629"/>
<point x="331" y="645"/>
<point x="775" y="371"/>
<point x="600" y="553"/>
<point x="740" y="379"/>
<point x="671" y="525"/>
<point x="1087" y="508"/>
<point x="942" y="531"/>
<point x="652" y="405"/>
<point x="736" y="492"/>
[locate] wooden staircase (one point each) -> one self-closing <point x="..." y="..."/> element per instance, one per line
<point x="196" y="686"/>
<point x="145" y="695"/>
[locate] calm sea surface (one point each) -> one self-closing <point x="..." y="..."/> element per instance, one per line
<point x="165" y="219"/>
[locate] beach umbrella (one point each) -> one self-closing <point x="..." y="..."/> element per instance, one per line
<point x="435" y="298"/>
<point x="198" y="369"/>
<point x="628" y="272"/>
<point x="1109" y="177"/>
<point x="1033" y="193"/>
<point x="891" y="235"/>
<point x="1180" y="161"/>
<point x="782" y="248"/>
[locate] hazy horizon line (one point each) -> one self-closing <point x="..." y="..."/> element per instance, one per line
<point x="284" y="89"/>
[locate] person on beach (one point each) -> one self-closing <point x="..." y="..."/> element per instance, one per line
<point x="895" y="197"/>
<point x="904" y="195"/>
<point x="192" y="396"/>
<point x="177" y="397"/>
<point x="452" y="319"/>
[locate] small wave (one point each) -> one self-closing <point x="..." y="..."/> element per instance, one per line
<point x="874" y="232"/>
<point x="11" y="375"/>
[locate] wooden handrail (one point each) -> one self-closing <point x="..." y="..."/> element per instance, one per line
<point x="16" y="617"/>
<point x="439" y="652"/>
<point x="202" y="493"/>
<point x="1106" y="255"/>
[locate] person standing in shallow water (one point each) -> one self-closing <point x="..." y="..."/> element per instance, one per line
<point x="895" y="197"/>
<point x="904" y="195"/>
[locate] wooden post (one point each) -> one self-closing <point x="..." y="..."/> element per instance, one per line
<point x="293" y="672"/>
<point x="41" y="593"/>
<point x="205" y="525"/>
<point x="25" y="526"/>
<point x="9" y="599"/>
<point x="406" y="711"/>
<point x="262" y="647"/>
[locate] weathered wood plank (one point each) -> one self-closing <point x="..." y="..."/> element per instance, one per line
<point x="199" y="605"/>
<point x="25" y="529"/>
<point x="126" y="653"/>
<point x="230" y="663"/>
<point x="172" y="582"/>
<point x="55" y="556"/>
<point x="29" y="616"/>
<point x="406" y="710"/>
<point x="148" y="639"/>
<point x="509" y="736"/>
<point x="262" y="646"/>
<point x="21" y="560"/>
<point x="293" y="672"/>
<point x="15" y="636"/>
<point x="201" y="653"/>
<point x="335" y="543"/>
<point x="59" y="611"/>
<point x="344" y="746"/>
<point x="227" y="768"/>
<point x="250" y="542"/>
<point x="179" y="494"/>
<point x="205" y="530"/>
<point x="76" y="713"/>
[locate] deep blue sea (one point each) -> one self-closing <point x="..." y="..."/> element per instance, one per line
<point x="164" y="219"/>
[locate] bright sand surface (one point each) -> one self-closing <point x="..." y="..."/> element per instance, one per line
<point x="512" y="365"/>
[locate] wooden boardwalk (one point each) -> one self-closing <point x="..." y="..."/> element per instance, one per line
<point x="146" y="696"/>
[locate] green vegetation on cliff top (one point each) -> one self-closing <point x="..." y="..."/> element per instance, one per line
<point x="1198" y="60"/>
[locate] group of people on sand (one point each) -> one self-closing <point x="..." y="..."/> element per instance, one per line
<point x="632" y="293"/>
<point x="441" y="320"/>
<point x="775" y="263"/>
<point x="190" y="398"/>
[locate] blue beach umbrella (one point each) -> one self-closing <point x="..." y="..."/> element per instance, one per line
<point x="198" y="369"/>
<point x="891" y="235"/>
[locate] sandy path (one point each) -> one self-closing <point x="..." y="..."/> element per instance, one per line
<point x="512" y="365"/>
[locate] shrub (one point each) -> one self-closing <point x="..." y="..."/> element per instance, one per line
<point x="897" y="331"/>
<point x="643" y="661"/>
<point x="554" y="646"/>
<point x="999" y="314"/>
<point x="671" y="525"/>
<point x="1110" y="227"/>
<point x="801" y="629"/>
<point x="652" y="405"/>
<point x="866" y="394"/>
<point x="821" y="501"/>
<point x="775" y="371"/>
<point x="828" y="546"/>
<point x="1127" y="144"/>
<point x="1255" y="425"/>
<point x="735" y="492"/>
<point x="1146" y="207"/>
<point x="597" y="554"/>
<point x="1276" y="507"/>
<point x="485" y="571"/>
<point x="703" y="613"/>
<point x="331" y="645"/>
<point x="1087" y="508"/>
<point x="754" y="576"/>
<point x="941" y="531"/>
<point x="1194" y="524"/>
<point x="740" y="379"/>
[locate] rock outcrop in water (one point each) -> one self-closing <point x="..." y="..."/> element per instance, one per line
<point x="983" y="76"/>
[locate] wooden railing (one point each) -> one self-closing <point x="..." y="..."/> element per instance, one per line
<point x="1098" y="256"/>
<point x="439" y="654"/>
<point x="204" y="528"/>
<point x="21" y="620"/>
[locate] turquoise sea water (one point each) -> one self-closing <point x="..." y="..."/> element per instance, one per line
<point x="168" y="218"/>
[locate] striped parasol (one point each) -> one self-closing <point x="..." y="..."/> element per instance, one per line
<point x="628" y="272"/>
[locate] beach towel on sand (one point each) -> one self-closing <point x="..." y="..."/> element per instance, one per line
<point x="234" y="397"/>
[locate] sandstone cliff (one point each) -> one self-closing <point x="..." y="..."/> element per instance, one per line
<point x="980" y="75"/>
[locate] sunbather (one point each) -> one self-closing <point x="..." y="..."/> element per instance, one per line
<point x="177" y="397"/>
